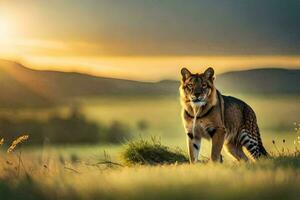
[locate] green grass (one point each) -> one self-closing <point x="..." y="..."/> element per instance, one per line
<point x="143" y="152"/>
<point x="50" y="178"/>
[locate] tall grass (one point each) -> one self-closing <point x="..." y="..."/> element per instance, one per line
<point x="276" y="178"/>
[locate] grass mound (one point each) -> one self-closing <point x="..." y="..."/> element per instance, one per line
<point x="151" y="152"/>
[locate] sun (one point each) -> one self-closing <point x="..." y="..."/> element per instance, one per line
<point x="5" y="30"/>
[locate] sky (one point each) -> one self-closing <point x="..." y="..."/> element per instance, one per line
<point x="150" y="39"/>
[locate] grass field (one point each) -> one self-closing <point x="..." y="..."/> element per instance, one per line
<point x="34" y="179"/>
<point x="77" y="172"/>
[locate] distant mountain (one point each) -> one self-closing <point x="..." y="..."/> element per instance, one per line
<point x="21" y="86"/>
<point x="260" y="81"/>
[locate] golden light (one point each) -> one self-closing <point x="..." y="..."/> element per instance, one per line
<point x="5" y="30"/>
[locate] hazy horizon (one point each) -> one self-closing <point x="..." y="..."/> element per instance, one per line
<point x="150" y="40"/>
<point x="167" y="70"/>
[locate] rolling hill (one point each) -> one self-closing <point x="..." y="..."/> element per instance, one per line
<point x="261" y="81"/>
<point x="21" y="86"/>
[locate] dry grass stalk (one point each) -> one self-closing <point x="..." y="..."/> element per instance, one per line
<point x="2" y="141"/>
<point x="17" y="141"/>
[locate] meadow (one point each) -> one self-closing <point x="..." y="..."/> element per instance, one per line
<point x="99" y="172"/>
<point x="277" y="116"/>
<point x="277" y="178"/>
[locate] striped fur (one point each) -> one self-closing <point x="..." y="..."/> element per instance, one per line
<point x="252" y="143"/>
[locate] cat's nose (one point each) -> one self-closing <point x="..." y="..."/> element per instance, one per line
<point x="197" y="94"/>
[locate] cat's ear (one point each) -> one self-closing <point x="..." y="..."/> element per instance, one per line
<point x="209" y="73"/>
<point x="185" y="73"/>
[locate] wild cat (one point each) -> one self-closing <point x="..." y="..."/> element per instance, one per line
<point x="226" y="120"/>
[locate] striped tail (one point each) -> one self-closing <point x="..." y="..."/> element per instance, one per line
<point x="253" y="144"/>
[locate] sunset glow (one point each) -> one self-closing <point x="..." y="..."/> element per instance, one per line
<point x="5" y="30"/>
<point x="87" y="38"/>
<point x="159" y="67"/>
